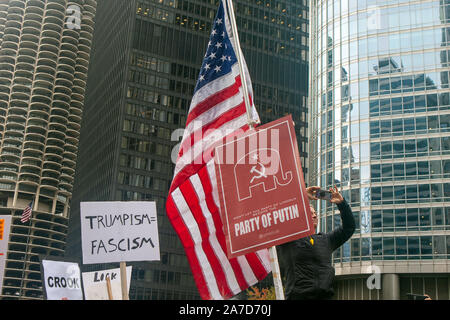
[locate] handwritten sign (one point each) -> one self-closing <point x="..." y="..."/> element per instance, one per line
<point x="95" y="288"/>
<point x="62" y="280"/>
<point x="118" y="231"/>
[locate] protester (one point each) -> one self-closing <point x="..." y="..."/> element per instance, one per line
<point x="306" y="263"/>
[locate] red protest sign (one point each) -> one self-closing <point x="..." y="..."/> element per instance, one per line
<point x="263" y="200"/>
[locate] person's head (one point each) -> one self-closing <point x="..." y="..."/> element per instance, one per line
<point x="314" y="216"/>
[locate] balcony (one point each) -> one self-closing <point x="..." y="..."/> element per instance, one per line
<point x="31" y="162"/>
<point x="29" y="178"/>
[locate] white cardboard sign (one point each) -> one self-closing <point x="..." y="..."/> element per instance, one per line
<point x="62" y="280"/>
<point x="117" y="231"/>
<point x="5" y="226"/>
<point x="95" y="287"/>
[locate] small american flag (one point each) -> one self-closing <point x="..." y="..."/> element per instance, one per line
<point x="26" y="214"/>
<point x="217" y="109"/>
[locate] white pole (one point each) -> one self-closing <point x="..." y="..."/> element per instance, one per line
<point x="276" y="273"/>
<point x="123" y="280"/>
<point x="237" y="46"/>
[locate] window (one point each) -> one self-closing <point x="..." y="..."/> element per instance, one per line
<point x="413" y="246"/>
<point x="387" y="193"/>
<point x="399" y="169"/>
<point x="400" y="218"/>
<point x="355" y="247"/>
<point x="425" y="218"/>
<point x="388" y="220"/>
<point x="376" y="193"/>
<point x="412" y="218"/>
<point x="366" y="244"/>
<point x="439" y="245"/>
<point x="399" y="194"/>
<point x="388" y="246"/>
<point x="386" y="149"/>
<point x="376" y="220"/>
<point x="386" y="170"/>
<point x="400" y="245"/>
<point x="410" y="148"/>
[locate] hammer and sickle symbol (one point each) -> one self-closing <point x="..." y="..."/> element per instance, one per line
<point x="261" y="173"/>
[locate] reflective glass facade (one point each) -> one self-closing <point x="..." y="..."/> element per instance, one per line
<point x="380" y="124"/>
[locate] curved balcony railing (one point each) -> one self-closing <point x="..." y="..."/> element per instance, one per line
<point x="44" y="92"/>
<point x="12" y="27"/>
<point x="33" y="151"/>
<point x="65" y="75"/>
<point x="29" y="178"/>
<point x="56" y="143"/>
<point x="33" y="16"/>
<point x="5" y="90"/>
<point x="10" y="176"/>
<point x="36" y="128"/>
<point x="30" y="170"/>
<point x="28" y="46"/>
<point x="68" y="54"/>
<point x="11" y="38"/>
<point x="8" y="158"/>
<point x="71" y="63"/>
<point x="31" y="163"/>
<point x="39" y="106"/>
<point x="31" y="28"/>
<point x="15" y="119"/>
<point x="50" y="165"/>
<point x="49" y="183"/>
<point x="55" y="134"/>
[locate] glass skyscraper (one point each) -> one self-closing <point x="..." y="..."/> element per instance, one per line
<point x="146" y="58"/>
<point x="380" y="130"/>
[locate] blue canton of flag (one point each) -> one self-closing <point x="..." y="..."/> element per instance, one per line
<point x="219" y="55"/>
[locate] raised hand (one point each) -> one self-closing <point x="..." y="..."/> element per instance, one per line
<point x="311" y="192"/>
<point x="336" y="197"/>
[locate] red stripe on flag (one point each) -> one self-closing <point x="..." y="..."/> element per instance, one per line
<point x="197" y="163"/>
<point x="217" y="123"/>
<point x="257" y="266"/>
<point x="193" y="202"/>
<point x="207" y="187"/>
<point x="214" y="99"/>
<point x="188" y="244"/>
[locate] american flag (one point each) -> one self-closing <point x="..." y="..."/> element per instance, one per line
<point x="217" y="108"/>
<point x="26" y="214"/>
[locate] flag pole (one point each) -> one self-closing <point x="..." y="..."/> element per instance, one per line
<point x="276" y="274"/>
<point x="236" y="44"/>
<point x="272" y="250"/>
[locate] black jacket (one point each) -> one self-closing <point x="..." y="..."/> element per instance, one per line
<point x="306" y="268"/>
